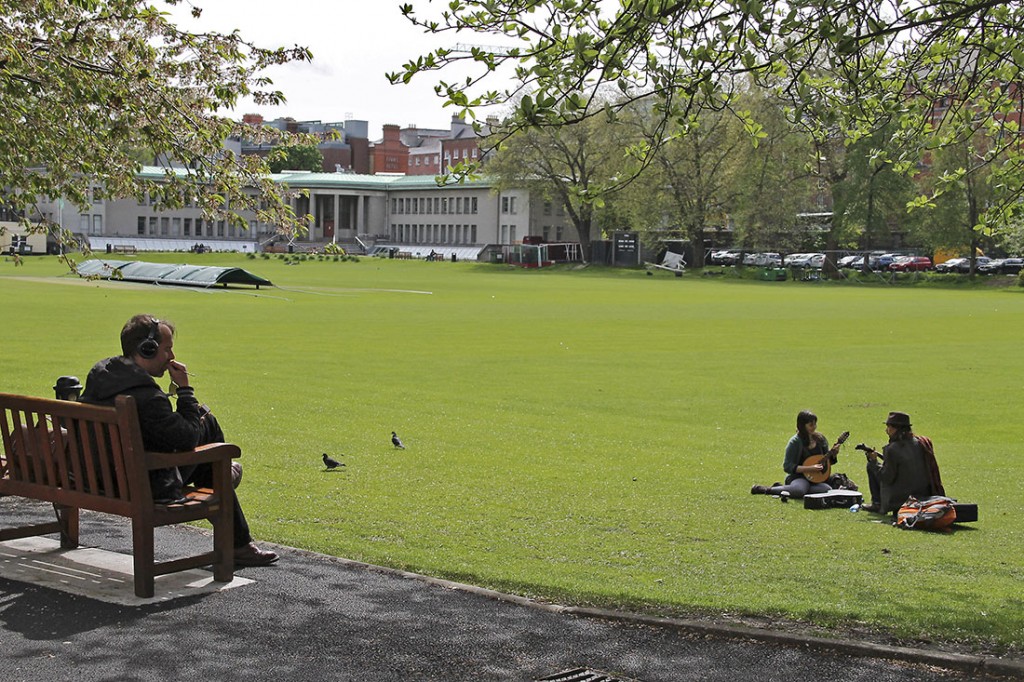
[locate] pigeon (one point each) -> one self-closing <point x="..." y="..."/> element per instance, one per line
<point x="396" y="441"/>
<point x="331" y="463"/>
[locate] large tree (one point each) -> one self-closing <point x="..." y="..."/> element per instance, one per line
<point x="770" y="182"/>
<point x="296" y="157"/>
<point x="871" y="63"/>
<point x="691" y="172"/>
<point x="89" y="84"/>
<point x="577" y="168"/>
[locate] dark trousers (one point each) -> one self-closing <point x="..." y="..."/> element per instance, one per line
<point x="201" y="475"/>
<point x="875" y="486"/>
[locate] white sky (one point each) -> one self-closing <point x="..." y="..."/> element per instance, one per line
<point x="354" y="43"/>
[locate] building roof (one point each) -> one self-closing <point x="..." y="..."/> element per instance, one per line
<point x="168" y="273"/>
<point x="351" y="181"/>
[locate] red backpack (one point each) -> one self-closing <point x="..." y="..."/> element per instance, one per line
<point x="931" y="513"/>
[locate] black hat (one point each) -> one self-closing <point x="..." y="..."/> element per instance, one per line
<point x="900" y="420"/>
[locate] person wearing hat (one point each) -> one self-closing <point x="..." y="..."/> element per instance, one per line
<point x="908" y="467"/>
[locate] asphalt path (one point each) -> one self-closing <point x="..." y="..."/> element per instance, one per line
<point x="313" y="617"/>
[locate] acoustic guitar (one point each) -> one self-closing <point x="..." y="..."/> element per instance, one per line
<point x="824" y="460"/>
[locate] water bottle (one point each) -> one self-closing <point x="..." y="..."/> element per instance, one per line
<point x="854" y="509"/>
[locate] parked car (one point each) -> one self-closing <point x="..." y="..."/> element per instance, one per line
<point x="1011" y="266"/>
<point x="993" y="267"/>
<point x="725" y="257"/>
<point x="911" y="264"/>
<point x="731" y="257"/>
<point x="767" y="259"/>
<point x="804" y="260"/>
<point x="795" y="260"/>
<point x="881" y="261"/>
<point x="965" y="267"/>
<point x="952" y="265"/>
<point x="854" y="261"/>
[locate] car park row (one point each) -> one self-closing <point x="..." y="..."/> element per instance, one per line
<point x="876" y="261"/>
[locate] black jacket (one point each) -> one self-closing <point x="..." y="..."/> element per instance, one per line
<point x="164" y="428"/>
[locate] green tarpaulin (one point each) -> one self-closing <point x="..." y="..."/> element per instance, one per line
<point x="166" y="273"/>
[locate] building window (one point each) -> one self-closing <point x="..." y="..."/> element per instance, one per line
<point x="165" y="225"/>
<point x="152" y="227"/>
<point x="220" y="228"/>
<point x="187" y="227"/>
<point x="142" y="226"/>
<point x="97" y="224"/>
<point x="83" y="224"/>
<point x="547" y="208"/>
<point x="176" y="226"/>
<point x="473" y="205"/>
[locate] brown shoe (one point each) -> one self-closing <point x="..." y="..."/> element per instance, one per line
<point x="873" y="507"/>
<point x="251" y="555"/>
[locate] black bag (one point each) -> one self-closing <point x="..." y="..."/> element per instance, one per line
<point x="841" y="482"/>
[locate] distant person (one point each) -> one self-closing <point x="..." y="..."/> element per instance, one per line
<point x="804" y="443"/>
<point x="908" y="467"/>
<point x="147" y="353"/>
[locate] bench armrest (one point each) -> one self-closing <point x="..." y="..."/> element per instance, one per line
<point x="213" y="452"/>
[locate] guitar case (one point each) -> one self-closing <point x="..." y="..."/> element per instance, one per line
<point x="965" y="512"/>
<point x="843" y="499"/>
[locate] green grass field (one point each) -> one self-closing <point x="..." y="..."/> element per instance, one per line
<point x="589" y="437"/>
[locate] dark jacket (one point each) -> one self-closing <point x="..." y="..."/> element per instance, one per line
<point x="903" y="474"/>
<point x="164" y="428"/>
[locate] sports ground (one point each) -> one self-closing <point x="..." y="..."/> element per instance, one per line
<point x="588" y="436"/>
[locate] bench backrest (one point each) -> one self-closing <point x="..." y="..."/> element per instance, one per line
<point x="64" y="451"/>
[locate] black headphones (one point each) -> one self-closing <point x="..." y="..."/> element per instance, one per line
<point x="149" y="346"/>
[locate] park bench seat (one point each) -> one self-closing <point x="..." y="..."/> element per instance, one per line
<point x="80" y="456"/>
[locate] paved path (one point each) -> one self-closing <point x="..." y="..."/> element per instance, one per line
<point x="312" y="617"/>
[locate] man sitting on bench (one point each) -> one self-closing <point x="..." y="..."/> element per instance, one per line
<point x="147" y="346"/>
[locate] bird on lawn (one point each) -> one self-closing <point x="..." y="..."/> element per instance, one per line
<point x="396" y="441"/>
<point x="331" y="463"/>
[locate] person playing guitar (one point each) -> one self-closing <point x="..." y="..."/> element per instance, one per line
<point x="807" y="462"/>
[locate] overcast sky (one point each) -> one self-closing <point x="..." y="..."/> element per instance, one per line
<point x="354" y="43"/>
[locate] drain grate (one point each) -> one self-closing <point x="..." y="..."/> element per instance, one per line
<point x="584" y="675"/>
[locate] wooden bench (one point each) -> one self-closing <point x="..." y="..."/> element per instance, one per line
<point x="79" y="456"/>
<point x="125" y="248"/>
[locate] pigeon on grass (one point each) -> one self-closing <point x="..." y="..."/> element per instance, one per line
<point x="396" y="441"/>
<point x="331" y="463"/>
